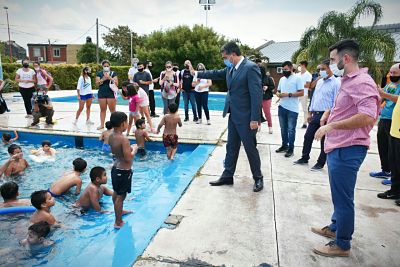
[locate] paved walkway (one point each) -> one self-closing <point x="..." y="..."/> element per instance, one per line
<point x="232" y="226"/>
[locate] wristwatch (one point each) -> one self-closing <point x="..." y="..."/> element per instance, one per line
<point x="290" y="94"/>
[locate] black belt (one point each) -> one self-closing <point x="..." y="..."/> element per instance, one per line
<point x="317" y="112"/>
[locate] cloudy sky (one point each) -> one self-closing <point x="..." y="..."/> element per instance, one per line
<point x="252" y="21"/>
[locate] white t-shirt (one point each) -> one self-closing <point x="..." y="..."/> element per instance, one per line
<point x="26" y="76"/>
<point x="306" y="77"/>
<point x="84" y="86"/>
<point x="131" y="72"/>
<point x="151" y="86"/>
<point x="143" y="97"/>
<point x="201" y="83"/>
<point x="40" y="79"/>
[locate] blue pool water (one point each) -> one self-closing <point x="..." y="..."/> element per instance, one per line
<point x="90" y="240"/>
<point x="215" y="101"/>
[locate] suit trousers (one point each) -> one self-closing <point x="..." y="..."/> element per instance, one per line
<point x="383" y="137"/>
<point x="394" y="156"/>
<point x="152" y="103"/>
<point x="312" y="128"/>
<point x="237" y="134"/>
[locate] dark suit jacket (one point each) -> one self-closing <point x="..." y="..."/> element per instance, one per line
<point x="244" y="96"/>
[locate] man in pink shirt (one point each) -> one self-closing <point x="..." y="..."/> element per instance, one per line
<point x="347" y="140"/>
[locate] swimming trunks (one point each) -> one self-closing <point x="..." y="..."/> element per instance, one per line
<point x="52" y="194"/>
<point x="121" y="180"/>
<point x="141" y="151"/>
<point x="106" y="148"/>
<point x="170" y="140"/>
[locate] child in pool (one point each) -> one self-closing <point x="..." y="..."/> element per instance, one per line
<point x="141" y="137"/>
<point x="37" y="233"/>
<point x="43" y="201"/>
<point x="16" y="164"/>
<point x="104" y="137"/>
<point x="9" y="193"/>
<point x="90" y="199"/>
<point x="7" y="140"/>
<point x="170" y="138"/>
<point x="45" y="150"/>
<point x="69" y="179"/>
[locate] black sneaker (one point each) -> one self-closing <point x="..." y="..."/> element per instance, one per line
<point x="388" y="195"/>
<point x="317" y="167"/>
<point x="186" y="119"/>
<point x="289" y="153"/>
<point x="195" y="119"/>
<point x="282" y="149"/>
<point x="154" y="116"/>
<point x="34" y="123"/>
<point x="301" y="161"/>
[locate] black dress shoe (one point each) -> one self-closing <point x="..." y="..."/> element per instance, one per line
<point x="186" y="119"/>
<point x="301" y="161"/>
<point x="388" y="195"/>
<point x="289" y="153"/>
<point x="317" y="167"/>
<point x="222" y="181"/>
<point x="281" y="149"/>
<point x="258" y="185"/>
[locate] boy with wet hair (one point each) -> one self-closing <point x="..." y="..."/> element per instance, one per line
<point x="69" y="179"/>
<point x="42" y="201"/>
<point x="6" y="138"/>
<point x="16" y="164"/>
<point x="90" y="199"/>
<point x="170" y="138"/>
<point x="37" y="233"/>
<point x="9" y="193"/>
<point x="45" y="150"/>
<point x="104" y="137"/>
<point x="141" y="136"/>
<point x="121" y="172"/>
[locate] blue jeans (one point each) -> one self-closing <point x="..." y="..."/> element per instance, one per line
<point x="189" y="96"/>
<point x="343" y="166"/>
<point x="202" y="102"/>
<point x="288" y="122"/>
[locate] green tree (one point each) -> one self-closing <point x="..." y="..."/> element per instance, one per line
<point x="118" y="40"/>
<point x="87" y="54"/>
<point x="334" y="26"/>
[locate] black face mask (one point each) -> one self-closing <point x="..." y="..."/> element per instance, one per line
<point x="175" y="69"/>
<point x="187" y="67"/>
<point x="286" y="73"/>
<point x="140" y="70"/>
<point x="394" y="79"/>
<point x="25" y="65"/>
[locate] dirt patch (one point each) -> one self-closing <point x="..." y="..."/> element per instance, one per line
<point x="319" y="198"/>
<point x="375" y="211"/>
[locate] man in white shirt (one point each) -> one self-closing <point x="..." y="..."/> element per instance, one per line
<point x="133" y="70"/>
<point x="306" y="77"/>
<point x="148" y="65"/>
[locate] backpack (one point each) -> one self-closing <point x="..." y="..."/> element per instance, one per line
<point x="3" y="105"/>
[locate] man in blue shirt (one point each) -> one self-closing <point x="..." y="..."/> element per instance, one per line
<point x="290" y="88"/>
<point x="323" y="99"/>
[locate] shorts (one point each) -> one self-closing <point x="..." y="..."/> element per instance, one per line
<point x="42" y="87"/>
<point x="106" y="148"/>
<point x="52" y="194"/>
<point x="170" y="140"/>
<point x="133" y="113"/>
<point x="121" y="180"/>
<point x="86" y="97"/>
<point x="105" y="93"/>
<point x="141" y="151"/>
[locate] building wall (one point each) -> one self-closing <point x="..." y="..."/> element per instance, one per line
<point x="72" y="51"/>
<point x="53" y="59"/>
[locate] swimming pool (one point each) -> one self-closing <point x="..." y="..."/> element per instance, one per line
<point x="90" y="239"/>
<point x="216" y="101"/>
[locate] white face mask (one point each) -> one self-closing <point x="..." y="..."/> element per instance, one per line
<point x="335" y="70"/>
<point x="323" y="74"/>
<point x="106" y="69"/>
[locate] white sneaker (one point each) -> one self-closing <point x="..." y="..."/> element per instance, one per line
<point x="270" y="130"/>
<point x="75" y="122"/>
<point x="198" y="122"/>
<point x="89" y="122"/>
<point x="208" y="122"/>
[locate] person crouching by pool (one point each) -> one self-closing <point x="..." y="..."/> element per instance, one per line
<point x="90" y="199"/>
<point x="42" y="108"/>
<point x="16" y="164"/>
<point x="85" y="94"/>
<point x="105" y="94"/>
<point x="104" y="137"/>
<point x="37" y="233"/>
<point x="141" y="137"/>
<point x="69" y="179"/>
<point x="170" y="138"/>
<point x="9" y="193"/>
<point x="121" y="172"/>
<point x="43" y="201"/>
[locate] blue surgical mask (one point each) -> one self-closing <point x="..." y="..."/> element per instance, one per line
<point x="323" y="74"/>
<point x="228" y="63"/>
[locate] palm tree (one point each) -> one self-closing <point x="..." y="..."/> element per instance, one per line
<point x="334" y="26"/>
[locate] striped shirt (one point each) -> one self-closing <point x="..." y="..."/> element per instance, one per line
<point x="358" y="94"/>
<point x="324" y="94"/>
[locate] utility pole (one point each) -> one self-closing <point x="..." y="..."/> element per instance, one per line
<point x="97" y="40"/>
<point x="131" y="49"/>
<point x="9" y="36"/>
<point x="51" y="53"/>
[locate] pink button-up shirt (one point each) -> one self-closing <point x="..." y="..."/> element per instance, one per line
<point x="358" y="94"/>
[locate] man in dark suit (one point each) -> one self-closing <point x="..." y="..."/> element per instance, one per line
<point x="243" y="102"/>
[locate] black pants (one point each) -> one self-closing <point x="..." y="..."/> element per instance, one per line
<point x="27" y="94"/>
<point x="383" y="137"/>
<point x="152" y="103"/>
<point x="48" y="113"/>
<point x="394" y="156"/>
<point x="178" y="98"/>
<point x="309" y="138"/>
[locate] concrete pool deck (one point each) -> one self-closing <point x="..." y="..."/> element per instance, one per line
<point x="231" y="225"/>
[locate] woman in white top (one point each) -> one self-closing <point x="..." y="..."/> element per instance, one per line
<point x="85" y="94"/>
<point x="26" y="79"/>
<point x="201" y="88"/>
<point x="169" y="85"/>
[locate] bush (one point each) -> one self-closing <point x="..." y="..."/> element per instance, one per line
<point x="66" y="75"/>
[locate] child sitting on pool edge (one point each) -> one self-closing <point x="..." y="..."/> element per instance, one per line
<point x="42" y="201"/>
<point x="16" y="164"/>
<point x="170" y="138"/>
<point x="141" y="137"/>
<point x="90" y="198"/>
<point x="7" y="140"/>
<point x="9" y="193"/>
<point x="104" y="137"/>
<point x="37" y="233"/>
<point x="69" y="179"/>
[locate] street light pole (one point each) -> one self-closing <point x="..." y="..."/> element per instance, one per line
<point x="9" y="36"/>
<point x="207" y="6"/>
<point x="97" y="41"/>
<point x="131" y="49"/>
